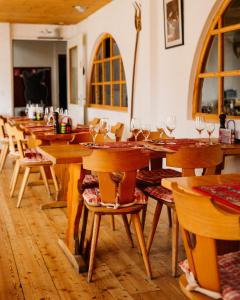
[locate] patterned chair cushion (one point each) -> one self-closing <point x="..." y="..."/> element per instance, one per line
<point x="159" y="192"/>
<point x="154" y="177"/>
<point x="90" y="181"/>
<point x="229" y="268"/>
<point x="92" y="197"/>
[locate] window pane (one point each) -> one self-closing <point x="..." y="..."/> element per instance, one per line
<point x="93" y="94"/>
<point x="209" y="96"/>
<point x="116" y="94"/>
<point x="93" y="74"/>
<point x="108" y="94"/>
<point x="212" y="57"/>
<point x="99" y="94"/>
<point x="107" y="48"/>
<point x="115" y="49"/>
<point x="232" y="96"/>
<point x="116" y="69"/>
<point x="232" y="15"/>
<point x="123" y="72"/>
<point x="99" y="72"/>
<point x="107" y="71"/>
<point x="232" y="50"/>
<point x="99" y="53"/>
<point x="124" y="96"/>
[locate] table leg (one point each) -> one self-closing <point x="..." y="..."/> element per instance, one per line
<point x="74" y="210"/>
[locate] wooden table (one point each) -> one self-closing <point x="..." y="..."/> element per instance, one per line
<point x="187" y="183"/>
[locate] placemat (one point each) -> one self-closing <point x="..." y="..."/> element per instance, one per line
<point x="228" y="193"/>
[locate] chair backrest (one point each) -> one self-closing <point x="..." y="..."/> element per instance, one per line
<point x="192" y="158"/>
<point x="202" y="224"/>
<point x="116" y="170"/>
<point x="94" y="121"/>
<point x="2" y="126"/>
<point x="118" y="131"/>
<point x="10" y="130"/>
<point x="87" y="138"/>
<point x="19" y="136"/>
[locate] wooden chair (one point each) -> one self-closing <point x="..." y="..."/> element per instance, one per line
<point x="29" y="160"/>
<point x="85" y="137"/>
<point x="202" y="223"/>
<point x="94" y="121"/>
<point x="188" y="159"/>
<point x="4" y="141"/>
<point x="117" y="130"/>
<point x="117" y="195"/>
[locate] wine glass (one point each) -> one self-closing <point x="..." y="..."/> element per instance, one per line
<point x="210" y="128"/>
<point x="171" y="124"/>
<point x="199" y="125"/>
<point x="146" y="129"/>
<point x="135" y="127"/>
<point x="93" y="130"/>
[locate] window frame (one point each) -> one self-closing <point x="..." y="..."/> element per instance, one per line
<point x="71" y="98"/>
<point x="94" y="71"/>
<point x="216" y="29"/>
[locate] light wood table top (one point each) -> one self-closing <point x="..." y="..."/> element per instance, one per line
<point x="187" y="183"/>
<point x="64" y="154"/>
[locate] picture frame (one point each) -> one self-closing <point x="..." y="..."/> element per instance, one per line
<point x="173" y="23"/>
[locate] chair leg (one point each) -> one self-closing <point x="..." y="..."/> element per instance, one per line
<point x="3" y="156"/>
<point x="96" y="226"/>
<point x="14" y="179"/>
<point x="45" y="181"/>
<point x="55" y="183"/>
<point x="127" y="228"/>
<point x="157" y="213"/>
<point x="144" y="212"/>
<point x="175" y="237"/>
<point x="139" y="234"/>
<point x="113" y="223"/>
<point x="23" y="186"/>
<point x="169" y="216"/>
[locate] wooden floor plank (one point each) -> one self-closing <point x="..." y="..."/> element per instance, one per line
<point x="36" y="267"/>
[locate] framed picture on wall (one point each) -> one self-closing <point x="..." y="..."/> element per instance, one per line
<point x="173" y="23"/>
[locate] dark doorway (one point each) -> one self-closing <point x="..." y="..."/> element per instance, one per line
<point x="62" y="79"/>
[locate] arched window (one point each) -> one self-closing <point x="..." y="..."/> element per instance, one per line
<point x="217" y="81"/>
<point x="108" y="83"/>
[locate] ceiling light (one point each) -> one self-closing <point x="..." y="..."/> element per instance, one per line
<point x="79" y="8"/>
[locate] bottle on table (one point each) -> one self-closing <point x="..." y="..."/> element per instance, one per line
<point x="56" y="122"/>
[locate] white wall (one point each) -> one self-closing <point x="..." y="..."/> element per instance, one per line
<point x="40" y="54"/>
<point x="6" y="103"/>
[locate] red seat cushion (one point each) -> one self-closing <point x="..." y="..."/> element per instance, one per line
<point x="92" y="197"/>
<point x="229" y="266"/>
<point x="90" y="181"/>
<point x="154" y="177"/>
<point x="229" y="269"/>
<point x="159" y="192"/>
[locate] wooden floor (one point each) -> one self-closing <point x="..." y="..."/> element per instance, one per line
<point x="32" y="266"/>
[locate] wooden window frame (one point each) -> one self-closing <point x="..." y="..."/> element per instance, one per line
<point x="96" y="61"/>
<point x="216" y="28"/>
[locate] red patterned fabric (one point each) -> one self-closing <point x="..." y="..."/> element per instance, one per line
<point x="90" y="181"/>
<point x="229" y="269"/>
<point x="159" y="192"/>
<point x="229" y="266"/>
<point x="92" y="197"/>
<point x="176" y="144"/>
<point x="228" y="194"/>
<point x="154" y="177"/>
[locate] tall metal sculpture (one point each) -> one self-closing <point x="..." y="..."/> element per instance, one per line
<point x="138" y="26"/>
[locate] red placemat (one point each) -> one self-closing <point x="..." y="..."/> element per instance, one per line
<point x="228" y="193"/>
<point x="176" y="144"/>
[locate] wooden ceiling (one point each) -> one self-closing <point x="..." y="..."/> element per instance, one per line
<point x="47" y="11"/>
